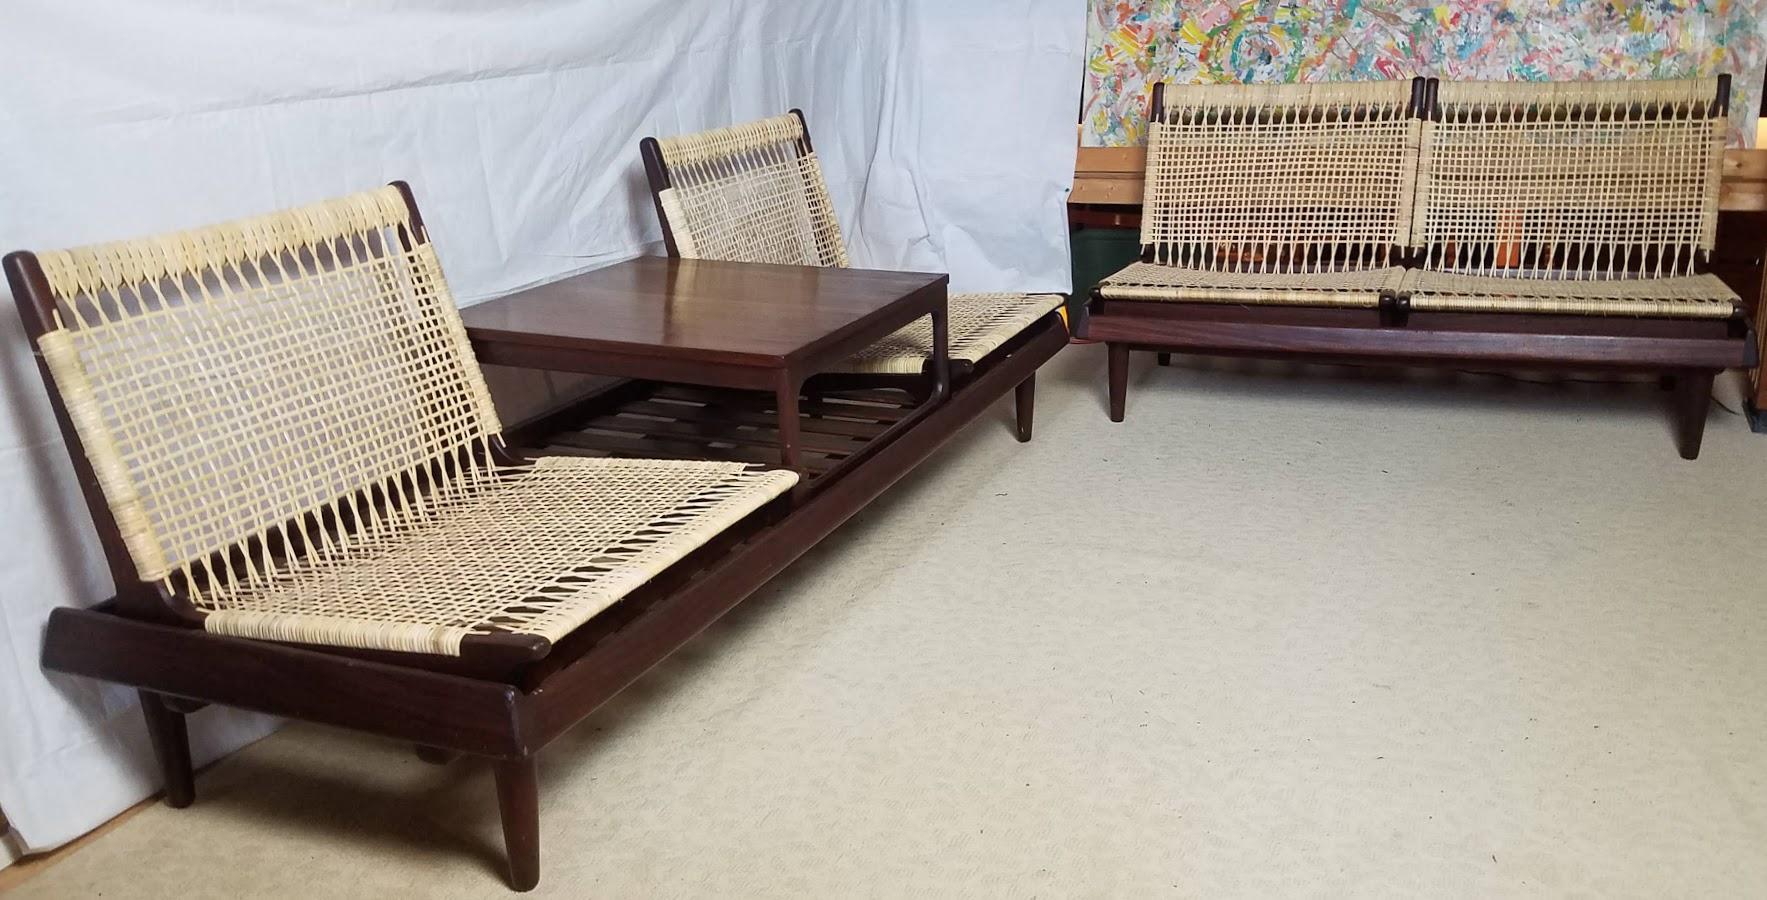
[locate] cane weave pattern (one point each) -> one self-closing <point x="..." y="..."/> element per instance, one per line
<point x="289" y="429"/>
<point x="1610" y="183"/>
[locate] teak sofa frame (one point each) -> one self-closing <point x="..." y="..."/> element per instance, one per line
<point x="498" y="700"/>
<point x="1687" y="353"/>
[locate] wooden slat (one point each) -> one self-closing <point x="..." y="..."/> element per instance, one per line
<point x="830" y="405"/>
<point x="612" y="444"/>
<point x="708" y="429"/>
<point x="820" y="425"/>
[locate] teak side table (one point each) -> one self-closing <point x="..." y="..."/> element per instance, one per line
<point x="747" y="326"/>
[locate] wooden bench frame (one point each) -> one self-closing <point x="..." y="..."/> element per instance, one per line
<point x="497" y="700"/>
<point x="1687" y="353"/>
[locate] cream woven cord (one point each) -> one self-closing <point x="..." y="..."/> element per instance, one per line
<point x="1288" y="195"/>
<point x="1613" y="184"/>
<point x="1152" y="281"/>
<point x="1307" y="177"/>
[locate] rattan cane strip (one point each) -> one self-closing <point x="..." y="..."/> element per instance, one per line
<point x="534" y="550"/>
<point x="1248" y="178"/>
<point x="1586" y="180"/>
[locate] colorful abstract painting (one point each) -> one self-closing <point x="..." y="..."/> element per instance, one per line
<point x="1133" y="43"/>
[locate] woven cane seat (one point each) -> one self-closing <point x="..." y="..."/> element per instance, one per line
<point x="1687" y="296"/>
<point x="755" y="193"/>
<point x="533" y="550"/>
<point x="1356" y="288"/>
<point x="978" y="325"/>
<point x="290" y="432"/>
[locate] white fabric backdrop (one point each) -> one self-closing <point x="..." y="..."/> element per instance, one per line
<point x="517" y="125"/>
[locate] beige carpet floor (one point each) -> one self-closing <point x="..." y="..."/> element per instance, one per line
<point x="1288" y="631"/>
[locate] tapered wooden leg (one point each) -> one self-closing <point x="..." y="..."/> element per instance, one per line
<point x="518" y="799"/>
<point x="785" y="397"/>
<point x="171" y="746"/>
<point x="1693" y="400"/>
<point x="1025" y="397"/>
<point x="1119" y="378"/>
<point x="1164" y="359"/>
<point x="435" y="756"/>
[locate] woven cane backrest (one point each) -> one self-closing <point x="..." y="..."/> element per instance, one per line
<point x="750" y="193"/>
<point x="1301" y="177"/>
<point x="307" y="366"/>
<point x="1597" y="179"/>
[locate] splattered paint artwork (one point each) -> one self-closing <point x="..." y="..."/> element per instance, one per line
<point x="1133" y="43"/>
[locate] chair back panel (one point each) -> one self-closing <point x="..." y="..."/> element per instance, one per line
<point x="1296" y="177"/>
<point x="306" y="367"/>
<point x="1571" y="179"/>
<point x="750" y="193"/>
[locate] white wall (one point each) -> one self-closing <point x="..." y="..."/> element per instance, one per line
<point x="517" y="125"/>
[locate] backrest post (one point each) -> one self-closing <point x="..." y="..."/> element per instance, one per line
<point x="1156" y="106"/>
<point x="418" y="233"/>
<point x="803" y="126"/>
<point x="656" y="171"/>
<point x="36" y="308"/>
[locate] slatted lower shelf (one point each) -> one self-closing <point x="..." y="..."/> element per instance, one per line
<point x="662" y="421"/>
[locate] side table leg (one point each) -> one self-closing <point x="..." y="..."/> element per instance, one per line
<point x="941" y="352"/>
<point x="786" y="401"/>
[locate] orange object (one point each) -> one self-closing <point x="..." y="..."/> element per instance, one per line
<point x="1509" y="244"/>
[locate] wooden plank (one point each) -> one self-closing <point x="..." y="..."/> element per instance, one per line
<point x="439" y="710"/>
<point x="697" y="428"/>
<point x="831" y="405"/>
<point x="842" y="427"/>
<point x="660" y="448"/>
<point x="1228" y="336"/>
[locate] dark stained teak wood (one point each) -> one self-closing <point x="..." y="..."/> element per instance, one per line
<point x="1693" y="349"/>
<point x="518" y="801"/>
<point x="167" y="730"/>
<point x="722" y="321"/>
<point x="1118" y="377"/>
<point x="713" y="323"/>
<point x="1693" y="401"/>
<point x="1025" y="407"/>
<point x="836" y="429"/>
